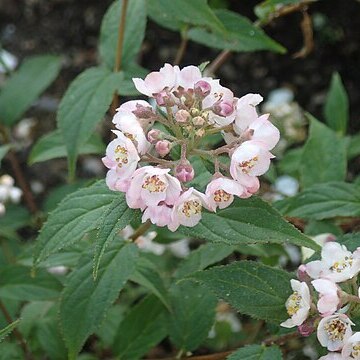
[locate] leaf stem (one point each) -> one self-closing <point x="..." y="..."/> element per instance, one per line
<point x="141" y="230"/>
<point x="182" y="48"/>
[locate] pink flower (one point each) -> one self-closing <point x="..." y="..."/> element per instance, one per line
<point x="333" y="331"/>
<point x="298" y="304"/>
<point x="157" y="81"/>
<point x="332" y="356"/>
<point x="220" y="192"/>
<point x="127" y="122"/>
<point x="188" y="77"/>
<point x="151" y="185"/>
<point x="163" y="147"/>
<point x="187" y="209"/>
<point x="265" y="131"/>
<point x="159" y="215"/>
<point x="351" y="349"/>
<point x="184" y="171"/>
<point x="329" y="300"/>
<point x="122" y="159"/>
<point x="248" y="161"/>
<point x="337" y="263"/>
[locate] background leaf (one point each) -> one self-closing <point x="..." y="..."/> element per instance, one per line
<point x="324" y="155"/>
<point x="3" y="151"/>
<point x="250" y="287"/>
<point x="336" y="109"/>
<point x="256" y="352"/>
<point x="35" y="74"/>
<point x="8" y="329"/>
<point x="85" y="302"/>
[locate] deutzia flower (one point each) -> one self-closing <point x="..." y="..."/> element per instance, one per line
<point x="151" y="185"/>
<point x="159" y="215"/>
<point x="329" y="298"/>
<point x="332" y="356"/>
<point x="337" y="263"/>
<point x="351" y="349"/>
<point x="298" y="304"/>
<point x="333" y="331"/>
<point x="122" y="159"/>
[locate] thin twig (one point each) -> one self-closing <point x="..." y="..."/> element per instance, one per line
<point x="119" y="51"/>
<point x="141" y="230"/>
<point x="217" y="62"/>
<point x="181" y="50"/>
<point x="16" y="332"/>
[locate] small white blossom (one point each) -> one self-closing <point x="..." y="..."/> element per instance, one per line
<point x="351" y="349"/>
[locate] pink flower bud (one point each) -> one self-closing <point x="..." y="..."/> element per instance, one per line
<point x="202" y="88"/>
<point x="302" y="274"/>
<point x="184" y="171"/>
<point x="182" y="116"/>
<point x="198" y="121"/>
<point x="306" y="328"/>
<point x="223" y="108"/>
<point x="153" y="135"/>
<point x="163" y="98"/>
<point x="163" y="147"/>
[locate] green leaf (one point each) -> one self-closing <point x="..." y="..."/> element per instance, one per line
<point x="35" y="74"/>
<point x="325" y="201"/>
<point x="114" y="219"/>
<point x="289" y="164"/>
<point x="142" y="329"/>
<point x="176" y="14"/>
<point x="336" y="109"/>
<point x="250" y="287"/>
<point x="3" y="151"/>
<point x="15" y="217"/>
<point x="147" y="275"/>
<point x="240" y="35"/>
<point x="247" y="221"/>
<point x="203" y="257"/>
<point x="85" y="302"/>
<point x="192" y="315"/>
<point x="84" y="104"/>
<point x="324" y="155"/>
<point x="8" y="329"/>
<point x="353" y="148"/>
<point x="135" y="24"/>
<point x="16" y="283"/>
<point x="76" y="215"/>
<point x="52" y="146"/>
<point x="351" y="241"/>
<point x="256" y="352"/>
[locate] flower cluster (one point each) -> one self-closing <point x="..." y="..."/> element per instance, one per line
<point x="165" y="138"/>
<point x="8" y="192"/>
<point x="319" y="300"/>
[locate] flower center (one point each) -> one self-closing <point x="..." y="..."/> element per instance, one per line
<point x="221" y="195"/>
<point x="293" y="303"/>
<point x="247" y="165"/>
<point x="355" y="353"/>
<point x="154" y="184"/>
<point x="191" y="207"/>
<point x="335" y="329"/>
<point x="340" y="266"/>
<point x="121" y="156"/>
<point x="130" y="136"/>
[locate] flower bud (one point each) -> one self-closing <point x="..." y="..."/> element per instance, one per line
<point x="154" y="135"/>
<point x="202" y="88"/>
<point x="223" y="108"/>
<point x="306" y="328"/>
<point x="198" y="121"/>
<point x="302" y="275"/>
<point x="184" y="171"/>
<point x="163" y="98"/>
<point x="200" y="132"/>
<point x="163" y="147"/>
<point x="182" y="116"/>
<point x="194" y="112"/>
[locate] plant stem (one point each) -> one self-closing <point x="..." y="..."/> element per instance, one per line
<point x="16" y="332"/>
<point x="217" y="62"/>
<point x="182" y="48"/>
<point x="119" y="51"/>
<point x="141" y="230"/>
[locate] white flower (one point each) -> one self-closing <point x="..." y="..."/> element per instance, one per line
<point x="298" y="304"/>
<point x="329" y="299"/>
<point x="333" y="331"/>
<point x="337" y="263"/>
<point x="321" y="240"/>
<point x="332" y="356"/>
<point x="351" y="349"/>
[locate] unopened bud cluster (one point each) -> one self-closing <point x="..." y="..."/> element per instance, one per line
<point x="8" y="192"/>
<point x="319" y="302"/>
<point x="189" y="107"/>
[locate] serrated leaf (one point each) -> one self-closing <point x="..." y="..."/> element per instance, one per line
<point x="52" y="146"/>
<point x="256" y="352"/>
<point x="179" y="13"/>
<point x="8" y="329"/>
<point x="325" y="201"/>
<point x="135" y="24"/>
<point x="336" y="109"/>
<point x="84" y="104"/>
<point x="324" y="155"/>
<point x="247" y="221"/>
<point x="250" y="287"/>
<point x="240" y="35"/>
<point x="76" y="215"/>
<point x="192" y="315"/>
<point x="16" y="283"/>
<point x="203" y="257"/>
<point x="147" y="275"/>
<point x="114" y="219"/>
<point x="85" y="302"/>
<point x="140" y="330"/>
<point x="35" y="74"/>
<point x="351" y="241"/>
